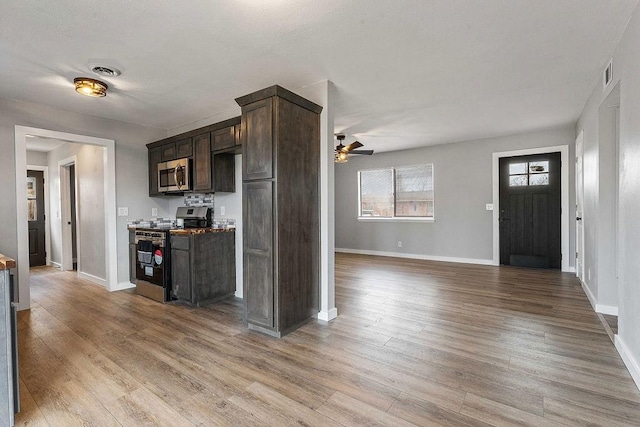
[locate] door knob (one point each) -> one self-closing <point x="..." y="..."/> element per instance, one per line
<point x="578" y="218"/>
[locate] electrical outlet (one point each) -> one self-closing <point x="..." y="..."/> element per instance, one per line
<point x="489" y="206"/>
<point x="399" y="243"/>
<point x="222" y="210"/>
<point x="154" y="212"/>
<point x="123" y="211"/>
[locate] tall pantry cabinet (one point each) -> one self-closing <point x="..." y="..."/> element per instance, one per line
<point x="280" y="201"/>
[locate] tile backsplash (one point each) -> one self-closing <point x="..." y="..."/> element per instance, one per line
<point x="196" y="199"/>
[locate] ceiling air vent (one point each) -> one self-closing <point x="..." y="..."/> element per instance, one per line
<point x="607" y="75"/>
<point x="105" y="71"/>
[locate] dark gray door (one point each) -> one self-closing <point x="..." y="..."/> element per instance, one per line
<point x="35" y="207"/>
<point x="530" y="211"/>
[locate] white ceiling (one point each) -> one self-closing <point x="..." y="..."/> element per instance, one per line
<point x="407" y="73"/>
<point x="38" y="143"/>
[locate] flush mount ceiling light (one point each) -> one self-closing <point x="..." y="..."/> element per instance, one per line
<point x="90" y="87"/>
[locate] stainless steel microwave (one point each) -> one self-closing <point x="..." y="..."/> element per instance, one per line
<point x="174" y="176"/>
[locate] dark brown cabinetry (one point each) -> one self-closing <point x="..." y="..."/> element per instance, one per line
<point x="212" y="149"/>
<point x="281" y="159"/>
<point x="203" y="268"/>
<point x="202" y="162"/>
<point x="168" y="152"/>
<point x="183" y="148"/>
<point x="155" y="157"/>
<point x="224" y="138"/>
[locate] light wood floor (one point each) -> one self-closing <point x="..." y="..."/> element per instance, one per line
<point x="416" y="342"/>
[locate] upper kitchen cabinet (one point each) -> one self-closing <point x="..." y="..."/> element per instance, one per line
<point x="183" y="148"/>
<point x="202" y="162"/>
<point x="224" y="138"/>
<point x="280" y="209"/>
<point x="168" y="152"/>
<point x="211" y="148"/>
<point x="155" y="157"/>
<point x="257" y="140"/>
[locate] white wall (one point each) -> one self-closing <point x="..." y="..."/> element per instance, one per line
<point x="626" y="63"/>
<point x="463" y="228"/>
<point x="131" y="165"/>
<point x="37" y="158"/>
<point x="232" y="203"/>
<point x="91" y="214"/>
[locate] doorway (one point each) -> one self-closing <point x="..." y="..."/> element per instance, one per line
<point x="68" y="213"/>
<point x="566" y="212"/>
<point x="110" y="230"/>
<point x="36" y="218"/>
<point x="530" y="211"/>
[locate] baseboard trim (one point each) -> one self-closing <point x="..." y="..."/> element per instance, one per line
<point x="122" y="286"/>
<point x="238" y="294"/>
<point x="328" y="315"/>
<point x="569" y="270"/>
<point x="630" y="362"/>
<point x="607" y="309"/>
<point x="93" y="279"/>
<point x="55" y="264"/>
<point x="417" y="256"/>
<point x="590" y="296"/>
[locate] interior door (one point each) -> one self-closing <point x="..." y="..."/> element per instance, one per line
<point x="579" y="207"/>
<point x="35" y="209"/>
<point x="530" y="211"/>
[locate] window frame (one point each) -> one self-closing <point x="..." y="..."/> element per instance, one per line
<point x="395" y="218"/>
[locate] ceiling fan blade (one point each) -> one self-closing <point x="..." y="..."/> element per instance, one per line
<point x="352" y="146"/>
<point x="367" y="152"/>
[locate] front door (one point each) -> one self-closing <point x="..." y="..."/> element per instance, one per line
<point x="35" y="209"/>
<point x="530" y="211"/>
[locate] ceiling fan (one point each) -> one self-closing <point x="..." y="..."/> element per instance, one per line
<point x="342" y="151"/>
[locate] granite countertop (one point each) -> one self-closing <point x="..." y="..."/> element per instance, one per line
<point x="188" y="231"/>
<point x="6" y="263"/>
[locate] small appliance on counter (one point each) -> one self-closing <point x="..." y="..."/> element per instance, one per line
<point x="194" y="216"/>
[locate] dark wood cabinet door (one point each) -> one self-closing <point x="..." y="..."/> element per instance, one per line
<point x="223" y="138"/>
<point x="155" y="157"/>
<point x="184" y="148"/>
<point x="202" y="162"/>
<point x="168" y="152"/>
<point x="258" y="252"/>
<point x="257" y="140"/>
<point x="181" y="275"/>
<point x="224" y="172"/>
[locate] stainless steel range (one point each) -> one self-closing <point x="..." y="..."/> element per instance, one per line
<point x="153" y="264"/>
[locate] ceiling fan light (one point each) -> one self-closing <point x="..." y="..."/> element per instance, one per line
<point x="90" y="87"/>
<point x="341" y="157"/>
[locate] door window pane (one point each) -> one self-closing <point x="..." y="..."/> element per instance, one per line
<point x="539" y="179"/>
<point x="538" y="167"/>
<point x="518" y="180"/>
<point x="517" y="168"/>
<point x="376" y="193"/>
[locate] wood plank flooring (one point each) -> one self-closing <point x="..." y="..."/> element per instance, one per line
<point x="415" y="343"/>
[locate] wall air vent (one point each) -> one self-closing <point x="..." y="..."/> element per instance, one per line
<point x="607" y="75"/>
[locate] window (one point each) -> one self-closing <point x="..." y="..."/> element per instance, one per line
<point x="528" y="173"/>
<point x="400" y="192"/>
